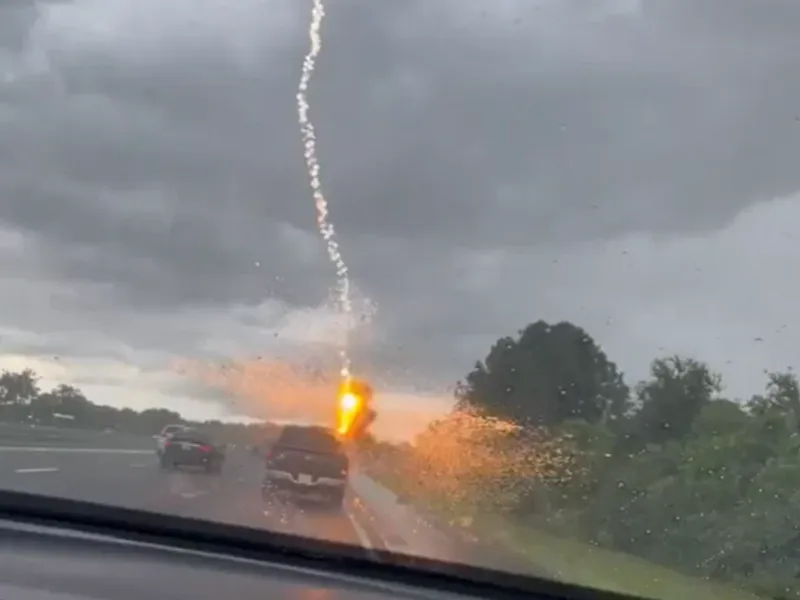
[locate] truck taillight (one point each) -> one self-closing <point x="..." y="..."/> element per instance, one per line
<point x="270" y="456"/>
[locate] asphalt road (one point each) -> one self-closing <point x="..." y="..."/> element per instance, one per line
<point x="131" y="478"/>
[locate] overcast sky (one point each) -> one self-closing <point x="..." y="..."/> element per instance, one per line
<point x="628" y="165"/>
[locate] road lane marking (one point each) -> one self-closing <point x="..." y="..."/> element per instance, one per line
<point x="73" y="450"/>
<point x="139" y="465"/>
<point x="362" y="535"/>
<point x="39" y="470"/>
<point x="194" y="494"/>
<point x="387" y="538"/>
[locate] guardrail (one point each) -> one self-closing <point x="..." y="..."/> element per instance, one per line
<point x="18" y="434"/>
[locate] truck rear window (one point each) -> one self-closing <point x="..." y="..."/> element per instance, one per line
<point x="312" y="439"/>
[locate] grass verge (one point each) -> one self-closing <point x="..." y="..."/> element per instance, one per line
<point x="579" y="563"/>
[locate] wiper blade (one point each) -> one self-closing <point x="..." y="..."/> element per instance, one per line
<point x="264" y="545"/>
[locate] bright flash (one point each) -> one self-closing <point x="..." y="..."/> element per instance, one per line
<point x="348" y="411"/>
<point x="349" y="403"/>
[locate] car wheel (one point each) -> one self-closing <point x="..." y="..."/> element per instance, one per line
<point x="164" y="464"/>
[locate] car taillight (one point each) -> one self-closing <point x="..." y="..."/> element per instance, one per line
<point x="206" y="448"/>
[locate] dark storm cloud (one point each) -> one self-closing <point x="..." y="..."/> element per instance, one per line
<point x="156" y="151"/>
<point x="451" y="131"/>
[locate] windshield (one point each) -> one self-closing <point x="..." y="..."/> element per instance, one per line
<point x="531" y="263"/>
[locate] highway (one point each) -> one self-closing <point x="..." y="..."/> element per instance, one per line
<point x="131" y="478"/>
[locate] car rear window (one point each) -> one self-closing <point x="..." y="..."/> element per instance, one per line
<point x="171" y="429"/>
<point x="313" y="439"/>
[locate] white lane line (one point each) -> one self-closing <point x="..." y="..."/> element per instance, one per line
<point x="362" y="535"/>
<point x="389" y="539"/>
<point x="40" y="470"/>
<point x="73" y="450"/>
<point x="194" y="494"/>
<point x="139" y="465"/>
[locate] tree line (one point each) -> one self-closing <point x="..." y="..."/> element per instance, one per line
<point x="669" y="469"/>
<point x="23" y="401"/>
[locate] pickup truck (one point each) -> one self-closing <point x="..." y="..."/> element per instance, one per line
<point x="306" y="464"/>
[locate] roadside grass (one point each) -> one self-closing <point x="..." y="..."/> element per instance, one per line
<point x="576" y="562"/>
<point x="580" y="563"/>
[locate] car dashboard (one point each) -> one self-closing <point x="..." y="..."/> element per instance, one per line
<point x="60" y="549"/>
<point x="45" y="563"/>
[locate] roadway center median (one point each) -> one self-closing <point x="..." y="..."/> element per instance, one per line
<point x="23" y="435"/>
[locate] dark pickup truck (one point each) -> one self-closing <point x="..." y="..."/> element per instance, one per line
<point x="306" y="464"/>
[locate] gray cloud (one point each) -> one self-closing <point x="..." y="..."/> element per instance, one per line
<point x="153" y="160"/>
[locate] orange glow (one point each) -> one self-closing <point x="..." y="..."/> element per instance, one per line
<point x="352" y="401"/>
<point x="348" y="410"/>
<point x="270" y="388"/>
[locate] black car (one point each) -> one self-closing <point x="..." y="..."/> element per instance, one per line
<point x="191" y="447"/>
<point x="306" y="464"/>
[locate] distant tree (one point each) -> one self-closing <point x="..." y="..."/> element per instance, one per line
<point x="783" y="394"/>
<point x="19" y="387"/>
<point x="758" y="405"/>
<point x="154" y="420"/>
<point x="21" y="401"/>
<point x="677" y="391"/>
<point x="720" y="417"/>
<point x="70" y="400"/>
<point x="550" y="374"/>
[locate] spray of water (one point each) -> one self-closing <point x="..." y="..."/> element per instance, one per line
<point x="310" y="142"/>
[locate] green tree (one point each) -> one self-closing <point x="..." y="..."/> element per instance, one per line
<point x="549" y="374"/>
<point x="67" y="406"/>
<point x="669" y="402"/>
<point x="19" y="387"/>
<point x="782" y="398"/>
<point x="684" y="477"/>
